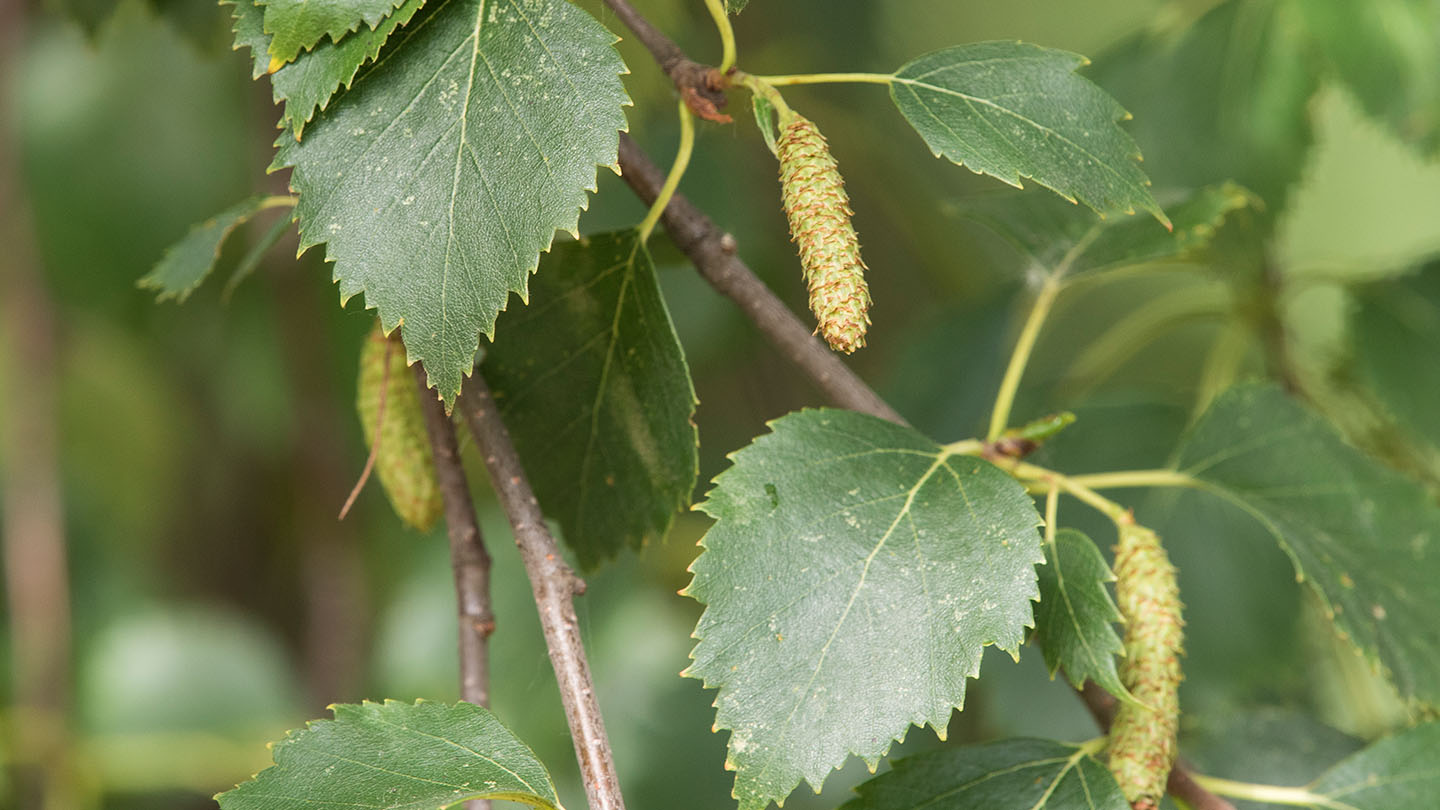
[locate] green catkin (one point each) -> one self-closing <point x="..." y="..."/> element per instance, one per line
<point x="1142" y="738"/>
<point x="404" y="462"/>
<point x="819" y="211"/>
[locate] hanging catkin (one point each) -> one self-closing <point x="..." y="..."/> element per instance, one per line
<point x="819" y="213"/>
<point x="1142" y="738"/>
<point x="403" y="461"/>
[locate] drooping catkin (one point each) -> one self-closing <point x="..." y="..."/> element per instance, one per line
<point x="819" y="211"/>
<point x="403" y="461"/>
<point x="1142" y="738"/>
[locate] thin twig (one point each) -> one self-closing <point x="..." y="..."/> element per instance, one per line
<point x="375" y="436"/>
<point x="713" y="253"/>
<point x="554" y="586"/>
<point x="468" y="558"/>
<point x="702" y="86"/>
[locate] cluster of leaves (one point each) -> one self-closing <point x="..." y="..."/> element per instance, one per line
<point x="436" y="147"/>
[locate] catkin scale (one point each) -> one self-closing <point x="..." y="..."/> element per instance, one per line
<point x="818" y="208"/>
<point x="1142" y="738"/>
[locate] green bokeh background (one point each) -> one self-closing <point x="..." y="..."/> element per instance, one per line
<point x="205" y="448"/>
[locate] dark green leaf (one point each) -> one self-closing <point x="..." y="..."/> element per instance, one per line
<point x="593" y="385"/>
<point x="1062" y="237"/>
<point x="1362" y="536"/>
<point x="1075" y="620"/>
<point x="296" y="25"/>
<point x="853" y="577"/>
<point x="1396" y="329"/>
<point x="188" y="262"/>
<point x="1399" y="773"/>
<point x="1018" y="774"/>
<point x="397" y="756"/>
<point x="1012" y="110"/>
<point x="438" y="178"/>
<point x="307" y="85"/>
<point x="1225" y="98"/>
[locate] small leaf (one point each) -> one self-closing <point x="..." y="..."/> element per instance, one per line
<point x="1398" y="773"/>
<point x="736" y="6"/>
<point x="1364" y="538"/>
<point x="1060" y="237"/>
<point x="1018" y="774"/>
<point x="188" y="262"/>
<point x="854" y="574"/>
<point x="307" y="85"/>
<point x="405" y="462"/>
<point x="1012" y="111"/>
<point x="765" y="120"/>
<point x="438" y="178"/>
<point x="1074" y="623"/>
<point x="592" y="382"/>
<point x="297" y="25"/>
<point x="397" y="756"/>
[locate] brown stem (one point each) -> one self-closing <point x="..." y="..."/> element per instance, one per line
<point x="702" y="86"/>
<point x="468" y="557"/>
<point x="554" y="586"/>
<point x="714" y="254"/>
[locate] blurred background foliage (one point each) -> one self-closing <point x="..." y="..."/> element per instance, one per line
<point x="205" y="449"/>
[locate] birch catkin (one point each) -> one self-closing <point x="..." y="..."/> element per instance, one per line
<point x="819" y="212"/>
<point x="1142" y="738"/>
<point x="403" y="460"/>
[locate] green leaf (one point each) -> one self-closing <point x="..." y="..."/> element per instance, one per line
<point x="1012" y="110"/>
<point x="1018" y="774"/>
<point x="765" y="120"/>
<point x="296" y="25"/>
<point x="250" y="262"/>
<point x="1061" y="237"/>
<point x="405" y="461"/>
<point x="854" y="575"/>
<point x="592" y="382"/>
<point x="397" y="756"/>
<point x="1398" y="773"/>
<point x="1225" y="97"/>
<point x="438" y="178"/>
<point x="188" y="262"/>
<point x="736" y="6"/>
<point x="1363" y="537"/>
<point x="1393" y="324"/>
<point x="307" y="85"/>
<point x="1074" y="622"/>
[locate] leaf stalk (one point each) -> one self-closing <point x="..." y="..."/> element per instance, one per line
<point x="677" y="171"/>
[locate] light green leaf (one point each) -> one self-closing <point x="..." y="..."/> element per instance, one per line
<point x="397" y="756"/>
<point x="188" y="262"/>
<point x="592" y="382"/>
<point x="438" y="178"/>
<point x="854" y="575"/>
<point x="1393" y="324"/>
<point x="1018" y="774"/>
<point x="296" y="25"/>
<point x="307" y="85"/>
<point x="1061" y="237"/>
<point x="1363" y="537"/>
<point x="1074" y="623"/>
<point x="736" y="6"/>
<point x="1398" y="773"/>
<point x="765" y="120"/>
<point x="1012" y="111"/>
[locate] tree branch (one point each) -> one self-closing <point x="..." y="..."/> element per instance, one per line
<point x="554" y="586"/>
<point x="702" y="86"/>
<point x="714" y="254"/>
<point x="469" y="560"/>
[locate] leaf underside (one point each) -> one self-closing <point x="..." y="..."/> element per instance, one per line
<point x="187" y="263"/>
<point x="592" y="383"/>
<point x="299" y="25"/>
<point x="438" y="178"/>
<point x="1013" y="111"/>
<point x="1018" y="774"/>
<point x="1074" y="622"/>
<point x="736" y="6"/>
<point x="851" y="581"/>
<point x="1397" y="773"/>
<point x="397" y="756"/>
<point x="1363" y="537"/>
